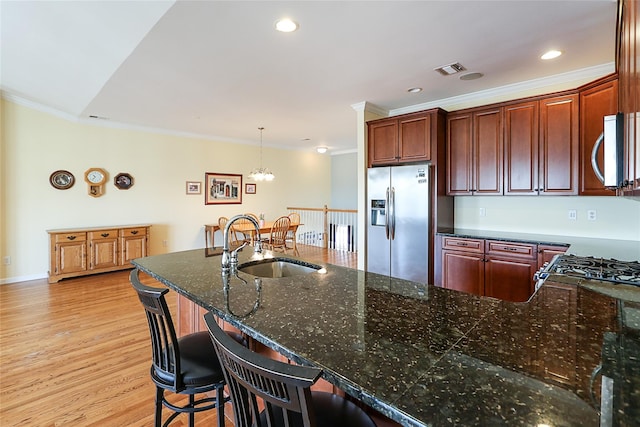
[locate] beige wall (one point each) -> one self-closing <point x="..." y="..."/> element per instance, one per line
<point x="616" y="217"/>
<point x="35" y="143"/>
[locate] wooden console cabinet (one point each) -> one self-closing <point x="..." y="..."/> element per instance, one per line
<point x="80" y="251"/>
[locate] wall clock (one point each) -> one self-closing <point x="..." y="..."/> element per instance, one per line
<point x="123" y="181"/>
<point x="62" y="180"/>
<point x="96" y="178"/>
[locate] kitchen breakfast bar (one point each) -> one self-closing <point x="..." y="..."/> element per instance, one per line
<point x="424" y="355"/>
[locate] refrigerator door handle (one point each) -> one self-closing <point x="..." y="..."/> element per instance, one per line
<point x="393" y="213"/>
<point x="386" y="217"/>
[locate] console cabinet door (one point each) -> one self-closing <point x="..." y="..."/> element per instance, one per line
<point x="103" y="246"/>
<point x="463" y="271"/>
<point x="71" y="257"/>
<point x="133" y="244"/>
<point x="559" y="143"/>
<point x="595" y="103"/>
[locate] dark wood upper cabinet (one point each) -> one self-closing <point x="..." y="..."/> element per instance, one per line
<point x="459" y="153"/>
<point x="596" y="101"/>
<point x="474" y="152"/>
<point x="402" y="139"/>
<point x="521" y="148"/>
<point x="559" y="142"/>
<point x="541" y="146"/>
<point x="383" y="142"/>
<point x="628" y="67"/>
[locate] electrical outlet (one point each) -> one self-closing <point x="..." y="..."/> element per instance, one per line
<point x="6" y="260"/>
<point x="483" y="212"/>
<point x="591" y="215"/>
<point x="572" y="214"/>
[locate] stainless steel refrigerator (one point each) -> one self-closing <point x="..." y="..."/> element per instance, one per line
<point x="398" y="221"/>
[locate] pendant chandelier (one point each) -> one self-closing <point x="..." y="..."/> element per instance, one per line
<point x="261" y="174"/>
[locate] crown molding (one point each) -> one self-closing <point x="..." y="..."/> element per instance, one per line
<point x="511" y="91"/>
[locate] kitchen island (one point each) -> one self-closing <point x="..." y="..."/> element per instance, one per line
<point x="424" y="355"/>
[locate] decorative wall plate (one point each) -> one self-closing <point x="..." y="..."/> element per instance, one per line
<point x="62" y="180"/>
<point x="123" y="181"/>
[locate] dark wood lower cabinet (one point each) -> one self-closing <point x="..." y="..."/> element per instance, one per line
<point x="509" y="279"/>
<point x="463" y="271"/>
<point x="494" y="268"/>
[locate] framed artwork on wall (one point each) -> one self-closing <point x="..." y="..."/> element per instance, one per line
<point x="194" y="187"/>
<point x="250" y="188"/>
<point x="222" y="188"/>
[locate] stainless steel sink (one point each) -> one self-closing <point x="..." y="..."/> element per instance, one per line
<point x="278" y="267"/>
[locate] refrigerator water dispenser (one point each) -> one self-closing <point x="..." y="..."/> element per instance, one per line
<point x="378" y="212"/>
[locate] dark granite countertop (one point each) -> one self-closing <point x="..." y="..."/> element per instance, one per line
<point x="420" y="354"/>
<point x="627" y="250"/>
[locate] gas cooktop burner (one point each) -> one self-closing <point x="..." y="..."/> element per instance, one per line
<point x="610" y="270"/>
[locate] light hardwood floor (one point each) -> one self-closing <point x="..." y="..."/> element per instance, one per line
<point x="77" y="352"/>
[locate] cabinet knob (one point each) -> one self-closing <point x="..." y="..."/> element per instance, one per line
<point x="105" y="234"/>
<point x="134" y="232"/>
<point x="71" y="237"/>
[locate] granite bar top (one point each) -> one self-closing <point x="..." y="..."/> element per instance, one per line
<point x="624" y="250"/>
<point x="424" y="355"/>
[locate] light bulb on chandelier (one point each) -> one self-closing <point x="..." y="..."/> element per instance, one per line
<point x="261" y="174"/>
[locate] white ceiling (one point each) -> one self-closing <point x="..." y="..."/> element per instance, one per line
<point x="218" y="69"/>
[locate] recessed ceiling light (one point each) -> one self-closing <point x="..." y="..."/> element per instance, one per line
<point x="414" y="90"/>
<point x="551" y="54"/>
<point x="321" y="150"/>
<point x="286" y="25"/>
<point x="471" y="76"/>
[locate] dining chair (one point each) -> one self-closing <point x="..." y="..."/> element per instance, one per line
<point x="234" y="236"/>
<point x="284" y="390"/>
<point x="294" y="217"/>
<point x="186" y="365"/>
<point x="245" y="236"/>
<point x="278" y="235"/>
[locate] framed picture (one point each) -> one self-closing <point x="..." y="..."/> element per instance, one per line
<point x="194" y="187"/>
<point x="222" y="188"/>
<point x="250" y="188"/>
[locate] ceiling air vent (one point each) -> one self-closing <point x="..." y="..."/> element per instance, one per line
<point x="447" y="70"/>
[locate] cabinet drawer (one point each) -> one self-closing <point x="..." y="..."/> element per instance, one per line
<point x="130" y="232"/>
<point x="70" y="237"/>
<point x="103" y="234"/>
<point x="462" y="244"/>
<point x="519" y="250"/>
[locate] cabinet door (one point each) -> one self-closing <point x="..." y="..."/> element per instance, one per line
<point x="487" y="152"/>
<point x="595" y="103"/>
<point x="133" y="244"/>
<point x="521" y="149"/>
<point x="132" y="248"/>
<point x="383" y="142"/>
<point x="459" y="154"/>
<point x="463" y="271"/>
<point x="415" y="138"/>
<point x="559" y="146"/>
<point x="103" y="245"/>
<point x="547" y="252"/>
<point x="71" y="257"/>
<point x="509" y="279"/>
